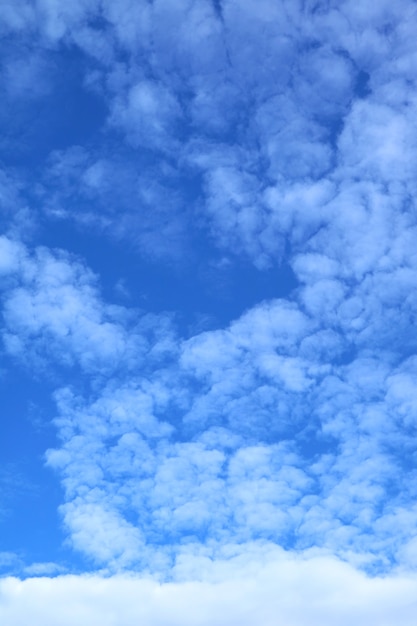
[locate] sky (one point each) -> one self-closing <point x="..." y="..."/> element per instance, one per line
<point x="208" y="271"/>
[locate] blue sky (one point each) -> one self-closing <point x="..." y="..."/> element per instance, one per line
<point x="208" y="271"/>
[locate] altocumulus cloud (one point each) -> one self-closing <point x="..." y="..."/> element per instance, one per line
<point x="259" y="469"/>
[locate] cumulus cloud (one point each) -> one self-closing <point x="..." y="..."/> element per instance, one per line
<point x="53" y="312"/>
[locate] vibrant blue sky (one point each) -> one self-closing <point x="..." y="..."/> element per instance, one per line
<point x="208" y="270"/>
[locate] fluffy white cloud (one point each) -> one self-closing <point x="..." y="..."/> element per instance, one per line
<point x="276" y="589"/>
<point x="53" y="310"/>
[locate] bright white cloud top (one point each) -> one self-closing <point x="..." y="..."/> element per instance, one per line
<point x="208" y="265"/>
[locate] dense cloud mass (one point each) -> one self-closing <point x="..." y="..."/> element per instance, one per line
<point x="208" y="266"/>
<point x="280" y="591"/>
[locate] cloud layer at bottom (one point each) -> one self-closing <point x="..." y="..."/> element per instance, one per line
<point x="279" y="590"/>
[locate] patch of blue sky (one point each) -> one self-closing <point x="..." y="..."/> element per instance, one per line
<point x="199" y="294"/>
<point x="52" y="109"/>
<point x="30" y="496"/>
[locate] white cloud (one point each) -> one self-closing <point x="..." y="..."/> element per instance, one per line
<point x="274" y="589"/>
<point x="11" y="253"/>
<point x="101" y="532"/>
<point x="57" y="305"/>
<point x="55" y="312"/>
<point x="378" y="142"/>
<point x="148" y="115"/>
<point x="44" y="569"/>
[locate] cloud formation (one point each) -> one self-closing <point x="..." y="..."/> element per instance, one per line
<point x="280" y="135"/>
<point x="282" y="590"/>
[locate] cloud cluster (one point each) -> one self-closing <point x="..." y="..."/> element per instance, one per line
<point x="271" y="429"/>
<point x="285" y="133"/>
<point x="268" y="430"/>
